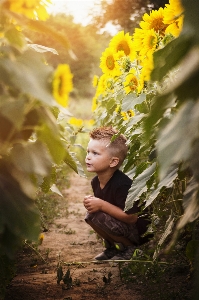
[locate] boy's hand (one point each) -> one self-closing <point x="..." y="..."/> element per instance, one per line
<point x="92" y="204"/>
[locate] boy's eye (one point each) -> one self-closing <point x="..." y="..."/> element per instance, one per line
<point x="95" y="153"/>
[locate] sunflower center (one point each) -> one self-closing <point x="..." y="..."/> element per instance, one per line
<point x="123" y="46"/>
<point x="60" y="88"/>
<point x="110" y="62"/>
<point x="157" y="24"/>
<point x="133" y="83"/>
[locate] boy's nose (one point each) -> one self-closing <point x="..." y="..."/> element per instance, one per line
<point x="87" y="156"/>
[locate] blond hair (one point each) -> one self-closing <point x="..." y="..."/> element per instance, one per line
<point x="118" y="147"/>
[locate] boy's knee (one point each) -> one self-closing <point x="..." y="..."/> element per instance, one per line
<point x="97" y="217"/>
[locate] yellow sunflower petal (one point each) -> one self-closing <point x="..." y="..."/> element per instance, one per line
<point x="172" y="11"/>
<point x="32" y="9"/>
<point x="108" y="63"/>
<point x="123" y="42"/>
<point x="95" y="80"/>
<point x="62" y="84"/>
<point x="131" y="83"/>
<point x="149" y="43"/>
<point x="75" y="122"/>
<point x="154" y="21"/>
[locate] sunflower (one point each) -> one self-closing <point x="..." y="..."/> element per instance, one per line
<point x="94" y="103"/>
<point x="62" y="84"/>
<point x="75" y="122"/>
<point x="105" y="85"/>
<point x="138" y="37"/>
<point x="154" y="21"/>
<point x="124" y="115"/>
<point x="89" y="123"/>
<point x="176" y="27"/>
<point x="173" y="15"/>
<point x="118" y="109"/>
<point x="95" y="80"/>
<point x="127" y="115"/>
<point x="147" y="67"/>
<point x="172" y="11"/>
<point x="123" y="61"/>
<point x="32" y="9"/>
<point x="101" y="88"/>
<point x="40" y="239"/>
<point x="131" y="83"/>
<point x="149" y="43"/>
<point x="108" y="63"/>
<point x="123" y="42"/>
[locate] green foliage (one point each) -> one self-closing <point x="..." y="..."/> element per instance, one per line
<point x="125" y="13"/>
<point x="163" y="134"/>
<point x="177" y="140"/>
<point x="33" y="142"/>
<point x="7" y="272"/>
<point x="85" y="45"/>
<point x="66" y="278"/>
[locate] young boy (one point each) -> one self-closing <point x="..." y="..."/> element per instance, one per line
<point x="121" y="231"/>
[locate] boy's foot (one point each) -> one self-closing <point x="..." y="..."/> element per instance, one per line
<point x="107" y="254"/>
<point x="124" y="255"/>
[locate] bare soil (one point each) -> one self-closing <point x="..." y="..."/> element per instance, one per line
<point x="71" y="244"/>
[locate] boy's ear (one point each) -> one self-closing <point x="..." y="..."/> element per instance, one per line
<point x="114" y="162"/>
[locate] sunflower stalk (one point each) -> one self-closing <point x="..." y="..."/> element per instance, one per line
<point x="112" y="261"/>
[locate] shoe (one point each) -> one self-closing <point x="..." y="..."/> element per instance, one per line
<point x="107" y="254"/>
<point x="125" y="255"/>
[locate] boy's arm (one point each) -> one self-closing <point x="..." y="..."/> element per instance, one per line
<point x="93" y="204"/>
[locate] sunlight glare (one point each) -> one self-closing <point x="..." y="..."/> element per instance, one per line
<point x="78" y="8"/>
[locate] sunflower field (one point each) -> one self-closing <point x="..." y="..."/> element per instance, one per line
<point x="148" y="90"/>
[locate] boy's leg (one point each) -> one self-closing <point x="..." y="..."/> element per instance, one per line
<point x="114" y="231"/>
<point x="110" y="250"/>
<point x="101" y="233"/>
<point x="112" y="239"/>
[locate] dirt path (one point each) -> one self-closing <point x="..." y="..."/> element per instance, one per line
<point x="69" y="240"/>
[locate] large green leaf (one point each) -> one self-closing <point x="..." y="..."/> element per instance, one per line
<point x="32" y="158"/>
<point x="14" y="110"/>
<point x="133" y="121"/>
<point x="166" y="182"/>
<point x="139" y="186"/>
<point x="72" y="161"/>
<point x="191" y="212"/>
<point x="168" y="230"/>
<point x="160" y="105"/>
<point x="28" y="73"/>
<point x="131" y="158"/>
<point x="191" y="20"/>
<point x="19" y="218"/>
<point x="169" y="57"/>
<point x="131" y="100"/>
<point x="15" y="37"/>
<point x="175" y="142"/>
<point x="190" y="203"/>
<point x="40" y="26"/>
<point x="53" y="141"/>
<point x="186" y="86"/>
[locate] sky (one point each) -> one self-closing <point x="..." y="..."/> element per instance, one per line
<point x="78" y="8"/>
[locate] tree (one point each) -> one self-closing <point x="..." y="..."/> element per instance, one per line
<point x="86" y="46"/>
<point x="125" y="13"/>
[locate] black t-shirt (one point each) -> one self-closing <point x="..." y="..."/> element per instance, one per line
<point x="115" y="192"/>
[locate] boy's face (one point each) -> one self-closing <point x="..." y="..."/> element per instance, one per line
<point x="99" y="158"/>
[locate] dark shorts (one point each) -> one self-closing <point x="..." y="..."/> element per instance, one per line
<point x="113" y="226"/>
